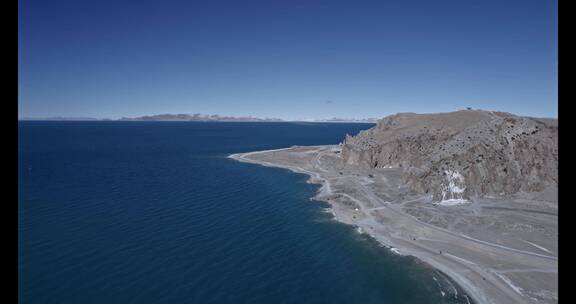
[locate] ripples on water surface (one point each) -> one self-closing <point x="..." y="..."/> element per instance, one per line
<point x="145" y="212"/>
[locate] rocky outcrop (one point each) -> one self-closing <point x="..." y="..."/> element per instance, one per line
<point x="463" y="154"/>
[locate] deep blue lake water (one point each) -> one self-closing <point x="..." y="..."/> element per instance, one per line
<point x="154" y="212"/>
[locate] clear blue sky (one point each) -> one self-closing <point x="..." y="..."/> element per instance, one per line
<point x="286" y="59"/>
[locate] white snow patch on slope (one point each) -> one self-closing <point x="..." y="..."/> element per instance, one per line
<point x="453" y="191"/>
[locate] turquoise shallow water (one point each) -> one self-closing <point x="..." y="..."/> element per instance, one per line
<point x="145" y="212"/>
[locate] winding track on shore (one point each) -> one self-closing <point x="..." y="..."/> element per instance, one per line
<point x="386" y="205"/>
<point x="494" y="278"/>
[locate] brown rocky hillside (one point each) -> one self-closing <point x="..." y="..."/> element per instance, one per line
<point x="463" y="154"/>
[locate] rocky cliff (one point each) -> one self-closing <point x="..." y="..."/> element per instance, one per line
<point x="461" y="155"/>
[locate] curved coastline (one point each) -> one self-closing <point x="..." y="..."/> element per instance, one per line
<point x="481" y="284"/>
<point x="325" y="189"/>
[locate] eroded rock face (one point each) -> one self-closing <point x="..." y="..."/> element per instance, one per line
<point x="463" y="154"/>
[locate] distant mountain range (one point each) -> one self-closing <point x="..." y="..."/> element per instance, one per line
<point x="58" y="118"/>
<point x="201" y="117"/>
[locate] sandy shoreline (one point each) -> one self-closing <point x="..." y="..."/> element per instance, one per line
<point x="325" y="190"/>
<point x="468" y="261"/>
